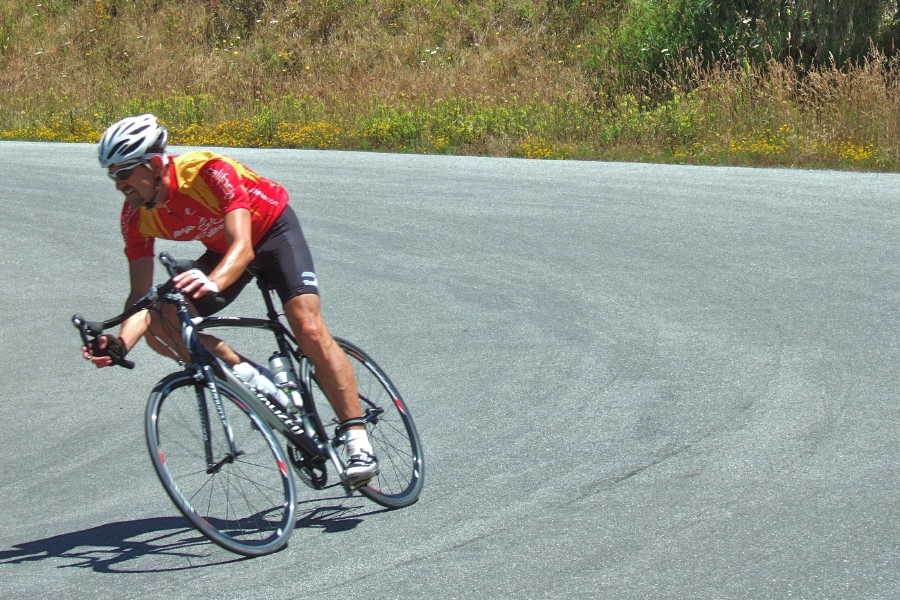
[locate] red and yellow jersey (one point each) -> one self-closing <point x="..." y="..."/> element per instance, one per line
<point x="203" y="187"/>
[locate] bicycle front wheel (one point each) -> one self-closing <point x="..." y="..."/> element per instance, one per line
<point x="390" y="428"/>
<point x="239" y="493"/>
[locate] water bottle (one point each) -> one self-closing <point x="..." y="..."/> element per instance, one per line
<point x="260" y="380"/>
<point x="284" y="379"/>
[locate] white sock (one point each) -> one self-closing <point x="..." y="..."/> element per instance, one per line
<point x="356" y="440"/>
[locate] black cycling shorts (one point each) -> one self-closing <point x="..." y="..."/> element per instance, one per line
<point x="282" y="260"/>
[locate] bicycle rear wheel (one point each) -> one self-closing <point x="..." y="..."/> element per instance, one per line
<point x="242" y="500"/>
<point x="390" y="428"/>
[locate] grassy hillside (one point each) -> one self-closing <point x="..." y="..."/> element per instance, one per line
<point x="538" y="79"/>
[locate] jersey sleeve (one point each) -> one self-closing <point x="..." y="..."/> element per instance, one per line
<point x="136" y="244"/>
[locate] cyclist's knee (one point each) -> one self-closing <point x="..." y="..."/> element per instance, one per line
<point x="159" y="329"/>
<point x="160" y="347"/>
<point x="162" y="337"/>
<point x="305" y="317"/>
<point x="312" y="333"/>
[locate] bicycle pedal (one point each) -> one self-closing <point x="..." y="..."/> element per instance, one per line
<point x="359" y="484"/>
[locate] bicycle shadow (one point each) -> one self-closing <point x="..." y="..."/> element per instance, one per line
<point x="331" y="515"/>
<point x="106" y="547"/>
<point x="110" y="547"/>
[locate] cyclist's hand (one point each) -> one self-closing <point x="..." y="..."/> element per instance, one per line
<point x="98" y="350"/>
<point x="195" y="283"/>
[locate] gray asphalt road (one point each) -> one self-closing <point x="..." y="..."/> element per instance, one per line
<point x="632" y="381"/>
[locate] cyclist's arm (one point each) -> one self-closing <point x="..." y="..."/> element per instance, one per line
<point x="140" y="273"/>
<point x="238" y="232"/>
<point x="139" y="251"/>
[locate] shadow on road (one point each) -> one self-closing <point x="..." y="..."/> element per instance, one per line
<point x="107" y="548"/>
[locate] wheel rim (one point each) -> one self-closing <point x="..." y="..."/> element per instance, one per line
<point x="390" y="429"/>
<point x="245" y="503"/>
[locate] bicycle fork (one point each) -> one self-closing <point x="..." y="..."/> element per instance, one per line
<point x="213" y="466"/>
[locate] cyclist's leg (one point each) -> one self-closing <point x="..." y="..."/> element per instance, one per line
<point x="164" y="332"/>
<point x="333" y="370"/>
<point x="335" y="378"/>
<point x="390" y="428"/>
<point x="164" y="337"/>
<point x="284" y="260"/>
<point x="160" y="336"/>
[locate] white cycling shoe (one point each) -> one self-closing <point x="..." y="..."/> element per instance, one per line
<point x="361" y="468"/>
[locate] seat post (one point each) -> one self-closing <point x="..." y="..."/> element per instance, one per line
<point x="266" y="291"/>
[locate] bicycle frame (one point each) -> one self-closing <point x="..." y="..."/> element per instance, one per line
<point x="306" y="432"/>
<point x="274" y="415"/>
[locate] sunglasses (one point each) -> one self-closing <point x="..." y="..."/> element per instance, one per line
<point x="123" y="173"/>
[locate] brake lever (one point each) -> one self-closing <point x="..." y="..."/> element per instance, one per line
<point x="85" y="327"/>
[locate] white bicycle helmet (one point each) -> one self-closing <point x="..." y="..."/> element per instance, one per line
<point x="131" y="140"/>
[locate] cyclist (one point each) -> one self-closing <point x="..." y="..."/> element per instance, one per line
<point x="243" y="220"/>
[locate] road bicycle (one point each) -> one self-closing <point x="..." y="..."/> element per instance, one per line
<point x="227" y="454"/>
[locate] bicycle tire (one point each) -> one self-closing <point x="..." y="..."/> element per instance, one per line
<point x="393" y="433"/>
<point x="246" y="503"/>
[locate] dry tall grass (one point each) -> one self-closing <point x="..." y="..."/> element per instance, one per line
<point x="503" y="77"/>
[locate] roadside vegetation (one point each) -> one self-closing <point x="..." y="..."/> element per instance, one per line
<point x="804" y="83"/>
